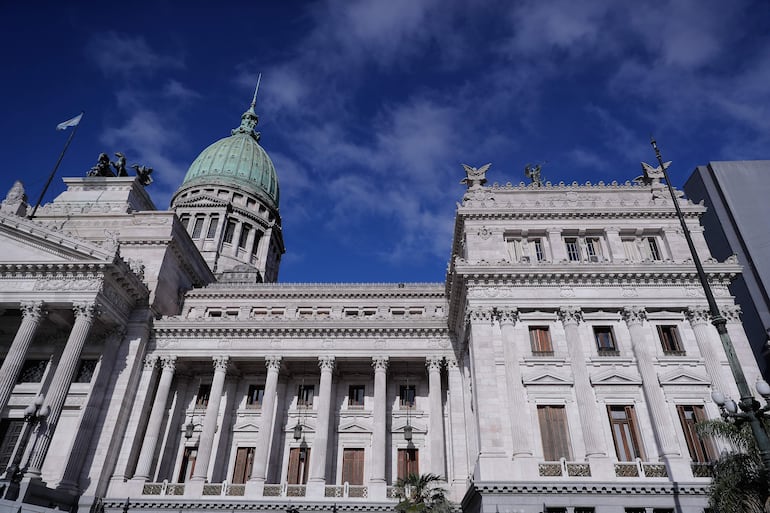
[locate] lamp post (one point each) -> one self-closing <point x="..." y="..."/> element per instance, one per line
<point x="751" y="412"/>
<point x="34" y="414"/>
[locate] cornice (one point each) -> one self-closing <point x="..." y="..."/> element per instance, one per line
<point x="165" y="329"/>
<point x="319" y="291"/>
<point x="231" y="504"/>
<point x="607" y="488"/>
<point x="562" y="212"/>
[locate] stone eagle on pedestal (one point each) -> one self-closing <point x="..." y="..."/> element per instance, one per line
<point x="475" y="177"/>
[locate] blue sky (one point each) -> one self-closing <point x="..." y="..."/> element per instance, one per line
<point x="368" y="109"/>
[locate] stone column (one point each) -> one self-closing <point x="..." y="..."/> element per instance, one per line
<point x="436" y="416"/>
<point x="262" y="451"/>
<point x="710" y="348"/>
<point x="584" y="394"/>
<point x="653" y="393"/>
<point x="457" y="428"/>
<point x="60" y="385"/>
<point x="379" y="414"/>
<point x="206" y="442"/>
<point x="741" y="343"/>
<point x="521" y="442"/>
<point x="317" y="476"/>
<point x="155" y="423"/>
<point x="31" y="315"/>
<point x="139" y="406"/>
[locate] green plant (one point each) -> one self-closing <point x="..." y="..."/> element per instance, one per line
<point x="421" y="493"/>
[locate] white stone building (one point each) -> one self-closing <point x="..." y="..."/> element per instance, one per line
<point x="560" y="368"/>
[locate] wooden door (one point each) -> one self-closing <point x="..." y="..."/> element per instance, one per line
<point x="353" y="466"/>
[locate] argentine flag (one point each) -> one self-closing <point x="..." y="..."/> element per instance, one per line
<point x="70" y="122"/>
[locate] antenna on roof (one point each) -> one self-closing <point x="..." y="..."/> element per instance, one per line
<point x="256" y="90"/>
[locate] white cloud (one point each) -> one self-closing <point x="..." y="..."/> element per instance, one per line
<point x="123" y="56"/>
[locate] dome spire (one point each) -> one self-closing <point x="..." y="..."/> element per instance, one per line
<point x="249" y="119"/>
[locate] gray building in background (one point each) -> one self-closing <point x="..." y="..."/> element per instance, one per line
<point x="737" y="195"/>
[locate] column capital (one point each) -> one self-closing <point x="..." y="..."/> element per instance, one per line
<point x="570" y="315"/>
<point x="326" y="363"/>
<point x="380" y="363"/>
<point x="731" y="313"/>
<point x="478" y="313"/>
<point x="452" y="363"/>
<point x="697" y="315"/>
<point x="167" y="363"/>
<point x="634" y="315"/>
<point x="273" y="363"/>
<point x="220" y="363"/>
<point x="32" y="309"/>
<point x="85" y="309"/>
<point x="434" y="362"/>
<point x="150" y="361"/>
<point x="508" y="316"/>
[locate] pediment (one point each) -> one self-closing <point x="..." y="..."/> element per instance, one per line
<point x="201" y="200"/>
<point x="28" y="241"/>
<point x="416" y="427"/>
<point x="354" y="427"/>
<point x="615" y="376"/>
<point x="246" y="426"/>
<point x="547" y="377"/>
<point x="682" y="376"/>
<point x="306" y="428"/>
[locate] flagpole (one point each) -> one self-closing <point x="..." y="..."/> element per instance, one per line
<point x="55" y="168"/>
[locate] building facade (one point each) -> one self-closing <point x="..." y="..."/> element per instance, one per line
<point x="735" y="195"/>
<point x="153" y="362"/>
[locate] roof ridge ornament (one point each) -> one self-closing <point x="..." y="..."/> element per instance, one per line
<point x="249" y="119"/>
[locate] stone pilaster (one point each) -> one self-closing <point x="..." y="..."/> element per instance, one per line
<point x="584" y="394"/>
<point x="262" y="451"/>
<point x="32" y="314"/>
<point x="436" y="416"/>
<point x="317" y="476"/>
<point x="60" y="384"/>
<point x="206" y="442"/>
<point x="662" y="423"/>
<point x="155" y="423"/>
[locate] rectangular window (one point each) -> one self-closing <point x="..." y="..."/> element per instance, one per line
<point x="555" y="510"/>
<point x="305" y="396"/>
<point x="254" y="396"/>
<point x="669" y="339"/>
<point x="573" y="250"/>
<point x="356" y="396"/>
<point x="85" y="372"/>
<point x="701" y="450"/>
<point x="229" y="232"/>
<point x="212" y="227"/>
<point x="605" y="341"/>
<point x="9" y="434"/>
<point x="255" y="246"/>
<point x="584" y="510"/>
<point x="244" y="460"/>
<point x="540" y="341"/>
<point x="202" y="397"/>
<point x="406" y="396"/>
<point x="594" y="249"/>
<point x="651" y="248"/>
<point x="408" y="462"/>
<point x="536" y="249"/>
<point x="554" y="433"/>
<point x="353" y="466"/>
<point x="299" y="465"/>
<point x="32" y="371"/>
<point x="197" y="227"/>
<point x="188" y="464"/>
<point x="625" y="434"/>
<point x="185" y="220"/>
<point x="244" y="237"/>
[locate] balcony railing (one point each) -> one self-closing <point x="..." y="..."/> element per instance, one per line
<point x="344" y="491"/>
<point x="347" y="491"/>
<point x="640" y="469"/>
<point x="563" y="468"/>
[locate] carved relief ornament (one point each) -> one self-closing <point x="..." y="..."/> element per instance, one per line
<point x="220" y="363"/>
<point x="326" y="363"/>
<point x="33" y="309"/>
<point x="570" y="315"/>
<point x="634" y="315"/>
<point x="380" y="363"/>
<point x="273" y="363"/>
<point x="433" y="363"/>
<point x="697" y="315"/>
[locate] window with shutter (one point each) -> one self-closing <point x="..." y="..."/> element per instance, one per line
<point x="554" y="433"/>
<point x="408" y="462"/>
<point x="299" y="465"/>
<point x="540" y="341"/>
<point x="701" y="450"/>
<point x="625" y="433"/>
<point x="353" y="466"/>
<point x="670" y="341"/>
<point x="244" y="460"/>
<point x="188" y="464"/>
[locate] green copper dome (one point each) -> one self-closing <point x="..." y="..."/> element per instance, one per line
<point x="238" y="161"/>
